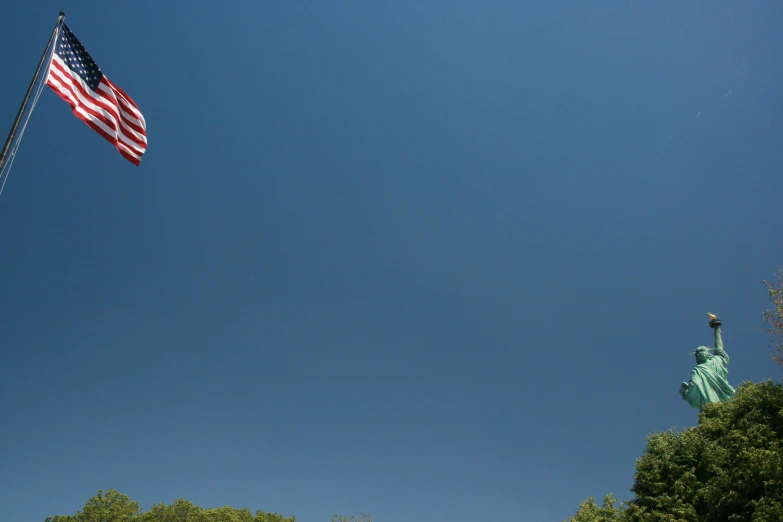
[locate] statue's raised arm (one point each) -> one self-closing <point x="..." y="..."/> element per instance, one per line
<point x="709" y="381"/>
<point x="715" y="324"/>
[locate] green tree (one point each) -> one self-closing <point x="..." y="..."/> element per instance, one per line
<point x="729" y="468"/>
<point x="110" y="507"/>
<point x="116" y="507"/>
<point x="364" y="517"/>
<point x="180" y="510"/>
<point x="589" y="511"/>
<point x="774" y="317"/>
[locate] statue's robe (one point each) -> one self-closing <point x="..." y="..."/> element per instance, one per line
<point x="709" y="382"/>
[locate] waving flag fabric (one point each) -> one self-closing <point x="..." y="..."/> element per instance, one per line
<point x="103" y="106"/>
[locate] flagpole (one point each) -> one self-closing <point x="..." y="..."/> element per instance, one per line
<point x="19" y="115"/>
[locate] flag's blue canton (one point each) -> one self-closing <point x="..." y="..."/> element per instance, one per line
<point x="73" y="53"/>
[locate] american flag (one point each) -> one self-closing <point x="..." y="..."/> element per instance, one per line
<point x="103" y="106"/>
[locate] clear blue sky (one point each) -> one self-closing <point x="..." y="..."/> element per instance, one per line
<point x="427" y="260"/>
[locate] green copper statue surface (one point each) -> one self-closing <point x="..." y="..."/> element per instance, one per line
<point x="708" y="380"/>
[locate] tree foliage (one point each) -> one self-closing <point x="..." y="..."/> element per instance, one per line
<point x="113" y="506"/>
<point x="589" y="511"/>
<point x="774" y="317"/>
<point x="729" y="468"/>
<point x="364" y="517"/>
<point x="110" y="507"/>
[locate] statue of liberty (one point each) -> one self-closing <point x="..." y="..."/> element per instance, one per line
<point x="708" y="380"/>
